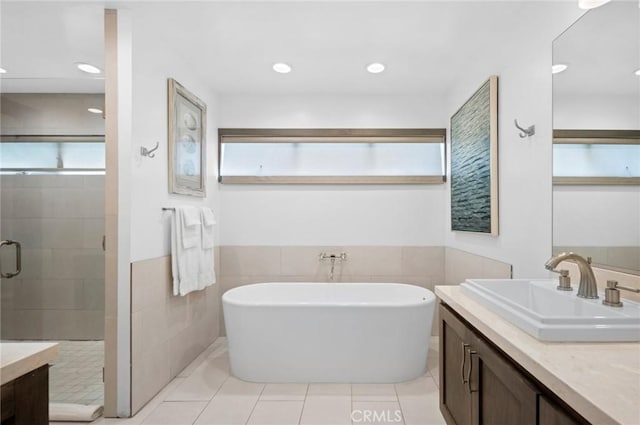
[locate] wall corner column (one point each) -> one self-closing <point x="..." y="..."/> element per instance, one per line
<point x="118" y="110"/>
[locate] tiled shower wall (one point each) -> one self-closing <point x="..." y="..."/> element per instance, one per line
<point x="423" y="266"/>
<point x="59" y="220"/>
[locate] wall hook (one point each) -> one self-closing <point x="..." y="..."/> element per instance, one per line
<point x="149" y="152"/>
<point x="526" y="132"/>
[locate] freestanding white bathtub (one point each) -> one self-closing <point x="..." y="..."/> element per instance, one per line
<point x="328" y="332"/>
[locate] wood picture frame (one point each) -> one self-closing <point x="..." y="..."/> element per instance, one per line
<point x="187" y="117"/>
<point x="474" y="162"/>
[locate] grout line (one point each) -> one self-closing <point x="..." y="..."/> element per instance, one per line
<point x="256" y="403"/>
<point x="351" y="403"/>
<point x="304" y="402"/>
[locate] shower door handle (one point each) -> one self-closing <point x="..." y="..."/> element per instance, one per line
<point x="18" y="258"/>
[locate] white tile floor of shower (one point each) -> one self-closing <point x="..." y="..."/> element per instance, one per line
<point x="76" y="375"/>
<point x="205" y="394"/>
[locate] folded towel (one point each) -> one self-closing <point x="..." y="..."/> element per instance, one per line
<point x="207" y="274"/>
<point x="207" y="217"/>
<point x="185" y="260"/>
<point x="70" y="412"/>
<point x="190" y="226"/>
<point x="207" y="228"/>
<point x="191" y="216"/>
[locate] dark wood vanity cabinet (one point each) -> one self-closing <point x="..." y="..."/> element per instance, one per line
<point x="480" y="385"/>
<point x="25" y="400"/>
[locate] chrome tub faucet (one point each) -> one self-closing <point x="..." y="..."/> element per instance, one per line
<point x="333" y="258"/>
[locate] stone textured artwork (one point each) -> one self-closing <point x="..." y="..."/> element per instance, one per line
<point x="474" y="162"/>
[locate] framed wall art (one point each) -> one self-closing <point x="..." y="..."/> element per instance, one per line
<point x="474" y="162"/>
<point x="187" y="141"/>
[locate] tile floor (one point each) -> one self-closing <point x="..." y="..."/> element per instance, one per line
<point x="76" y="375"/>
<point x="205" y="394"/>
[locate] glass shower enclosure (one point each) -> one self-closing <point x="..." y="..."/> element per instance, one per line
<point x="51" y="240"/>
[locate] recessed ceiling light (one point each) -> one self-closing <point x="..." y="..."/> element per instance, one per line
<point x="88" y="68"/>
<point x="281" y="68"/>
<point x="637" y="72"/>
<point x="3" y="71"/>
<point x="591" y="4"/>
<point x="556" y="69"/>
<point x="95" y="110"/>
<point x="375" y="68"/>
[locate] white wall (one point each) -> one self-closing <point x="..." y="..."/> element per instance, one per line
<point x="525" y="194"/>
<point x="596" y="216"/>
<point x="331" y="214"/>
<point x="153" y="63"/>
<point x="600" y="112"/>
<point x="370" y="215"/>
<point x="167" y="332"/>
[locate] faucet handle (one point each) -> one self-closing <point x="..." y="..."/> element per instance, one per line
<point x="614" y="284"/>
<point x="564" y="280"/>
<point x="612" y="294"/>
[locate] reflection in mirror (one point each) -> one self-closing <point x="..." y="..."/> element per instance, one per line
<point x="596" y="120"/>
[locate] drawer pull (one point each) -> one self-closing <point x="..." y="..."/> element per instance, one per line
<point x="465" y="348"/>
<point x="468" y="378"/>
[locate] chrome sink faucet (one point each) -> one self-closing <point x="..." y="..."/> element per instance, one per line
<point x="588" y="287"/>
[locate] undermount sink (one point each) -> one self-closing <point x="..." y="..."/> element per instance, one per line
<point x="536" y="307"/>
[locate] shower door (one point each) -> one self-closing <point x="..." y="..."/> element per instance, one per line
<point x="18" y="269"/>
<point x="51" y="254"/>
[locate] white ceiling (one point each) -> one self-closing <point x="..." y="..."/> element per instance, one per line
<point x="602" y="51"/>
<point x="426" y="45"/>
<point x="39" y="44"/>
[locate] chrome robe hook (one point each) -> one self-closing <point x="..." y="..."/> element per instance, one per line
<point x="149" y="152"/>
<point x="526" y="132"/>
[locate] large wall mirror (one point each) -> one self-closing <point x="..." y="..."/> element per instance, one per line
<point x="596" y="121"/>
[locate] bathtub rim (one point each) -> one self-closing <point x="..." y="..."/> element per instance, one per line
<point x="429" y="297"/>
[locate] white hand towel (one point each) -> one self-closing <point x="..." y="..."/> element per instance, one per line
<point x="207" y="274"/>
<point x="208" y="221"/>
<point x="190" y="226"/>
<point x="185" y="261"/>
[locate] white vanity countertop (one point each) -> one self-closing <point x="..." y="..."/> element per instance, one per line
<point x="601" y="381"/>
<point x="19" y="358"/>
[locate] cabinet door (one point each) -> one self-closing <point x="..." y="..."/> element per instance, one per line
<point x="552" y="414"/>
<point x="501" y="394"/>
<point x="455" y="398"/>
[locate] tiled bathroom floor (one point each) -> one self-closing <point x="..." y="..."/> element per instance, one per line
<point x="76" y="375"/>
<point x="205" y="394"/>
